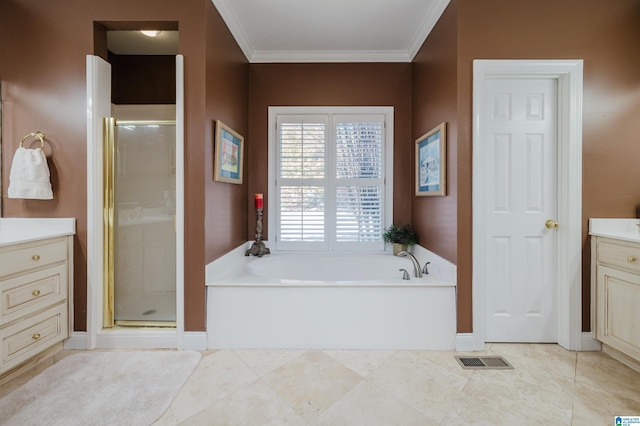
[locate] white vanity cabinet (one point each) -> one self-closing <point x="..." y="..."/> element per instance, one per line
<point x="35" y="287"/>
<point x="616" y="292"/>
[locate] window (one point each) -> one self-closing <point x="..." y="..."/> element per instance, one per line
<point x="330" y="172"/>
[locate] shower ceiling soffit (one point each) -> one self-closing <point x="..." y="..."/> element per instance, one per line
<point x="270" y="31"/>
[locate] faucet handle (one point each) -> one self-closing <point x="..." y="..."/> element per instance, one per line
<point x="405" y="275"/>
<point x="425" y="268"/>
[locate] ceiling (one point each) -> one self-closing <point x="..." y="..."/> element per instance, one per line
<point x="330" y="30"/>
<point x="310" y="30"/>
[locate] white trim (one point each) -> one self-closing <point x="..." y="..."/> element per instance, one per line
<point x="569" y="76"/>
<point x="179" y="202"/>
<point x="231" y="19"/>
<point x="468" y="342"/>
<point x="123" y="338"/>
<point x="273" y="112"/>
<point x="195" y="341"/>
<point x="77" y="340"/>
<point x="430" y="20"/>
<point x="589" y="343"/>
<point x="98" y="100"/>
<point x="132" y="339"/>
<point x="98" y="106"/>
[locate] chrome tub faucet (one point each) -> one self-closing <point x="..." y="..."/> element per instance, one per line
<point x="416" y="265"/>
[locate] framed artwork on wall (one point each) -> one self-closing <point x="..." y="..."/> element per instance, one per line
<point x="228" y="154"/>
<point x="431" y="162"/>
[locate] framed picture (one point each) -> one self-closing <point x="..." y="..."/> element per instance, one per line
<point x="431" y="162"/>
<point x="229" y="154"/>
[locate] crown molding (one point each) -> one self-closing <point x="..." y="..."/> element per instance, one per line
<point x="231" y="19"/>
<point x="429" y="22"/>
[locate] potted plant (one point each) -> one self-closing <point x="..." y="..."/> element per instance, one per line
<point x="400" y="236"/>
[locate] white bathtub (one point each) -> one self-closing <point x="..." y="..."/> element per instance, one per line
<point x="329" y="301"/>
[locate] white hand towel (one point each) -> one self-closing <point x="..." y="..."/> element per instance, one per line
<point x="29" y="177"/>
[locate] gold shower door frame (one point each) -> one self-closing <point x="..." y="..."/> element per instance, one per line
<point x="108" y="191"/>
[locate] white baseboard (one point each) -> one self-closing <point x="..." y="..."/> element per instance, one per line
<point x="468" y="342"/>
<point x="589" y="343"/>
<point x="136" y="339"/>
<point x="139" y="339"/>
<point x="195" y="341"/>
<point x="77" y="340"/>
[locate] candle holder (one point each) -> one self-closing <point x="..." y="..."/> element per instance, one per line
<point x="258" y="248"/>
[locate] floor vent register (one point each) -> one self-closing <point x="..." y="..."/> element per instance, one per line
<point x="483" y="363"/>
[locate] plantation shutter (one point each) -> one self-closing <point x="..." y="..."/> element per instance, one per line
<point x="330" y="182"/>
<point x="302" y="179"/>
<point x="359" y="181"/>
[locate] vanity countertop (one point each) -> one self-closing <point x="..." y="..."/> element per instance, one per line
<point x="621" y="229"/>
<point x="22" y="230"/>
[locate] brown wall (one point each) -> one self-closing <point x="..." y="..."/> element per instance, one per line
<point x="605" y="35"/>
<point x="44" y="88"/>
<point x="434" y="94"/>
<point x="227" y="100"/>
<point x="143" y="79"/>
<point x="434" y="100"/>
<point x="43" y="74"/>
<point x="330" y="85"/>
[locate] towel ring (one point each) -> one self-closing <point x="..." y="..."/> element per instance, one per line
<point x="37" y="135"/>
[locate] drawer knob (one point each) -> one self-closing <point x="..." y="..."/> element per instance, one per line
<point x="36" y="293"/>
<point x="36" y="336"/>
<point x="35" y="257"/>
<point x="631" y="259"/>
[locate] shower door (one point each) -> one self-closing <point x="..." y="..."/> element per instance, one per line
<point x="140" y="238"/>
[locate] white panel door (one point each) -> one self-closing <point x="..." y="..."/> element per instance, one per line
<point x="519" y="156"/>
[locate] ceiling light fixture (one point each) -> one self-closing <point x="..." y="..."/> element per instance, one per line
<point x="151" y="33"/>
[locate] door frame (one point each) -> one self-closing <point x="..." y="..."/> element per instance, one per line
<point x="568" y="74"/>
<point x="99" y="106"/>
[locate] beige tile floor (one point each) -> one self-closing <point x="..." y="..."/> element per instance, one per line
<point x="549" y="386"/>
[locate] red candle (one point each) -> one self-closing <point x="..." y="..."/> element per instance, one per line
<point x="259" y="201"/>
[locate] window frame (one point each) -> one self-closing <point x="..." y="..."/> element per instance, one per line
<point x="331" y="113"/>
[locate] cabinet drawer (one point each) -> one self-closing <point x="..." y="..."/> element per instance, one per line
<point x="26" y="338"/>
<point x="29" y="293"/>
<point x="619" y="255"/>
<point x="617" y="318"/>
<point x="28" y="256"/>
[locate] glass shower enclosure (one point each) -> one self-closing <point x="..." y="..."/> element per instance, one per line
<point x="139" y="223"/>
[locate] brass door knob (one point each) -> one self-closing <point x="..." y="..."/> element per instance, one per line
<point x="551" y="224"/>
<point x="36" y="336"/>
<point x="35" y="293"/>
<point x="631" y="259"/>
<point x="35" y="257"/>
